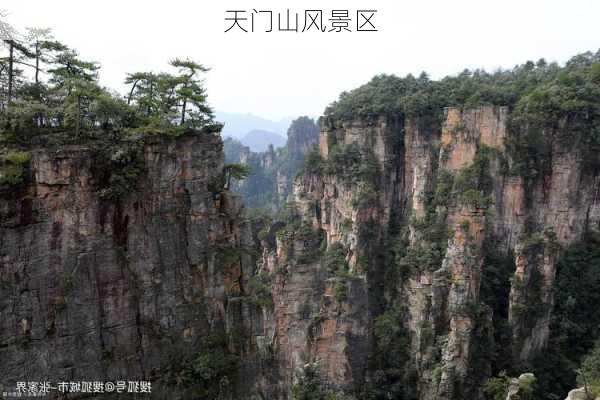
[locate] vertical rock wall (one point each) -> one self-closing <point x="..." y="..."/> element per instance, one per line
<point x="450" y="327"/>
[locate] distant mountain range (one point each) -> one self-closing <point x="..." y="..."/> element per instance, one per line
<point x="250" y="129"/>
<point x="258" y="140"/>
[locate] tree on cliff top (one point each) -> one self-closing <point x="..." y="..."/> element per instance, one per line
<point x="191" y="94"/>
<point x="50" y="89"/>
<point x="410" y="95"/>
<point x="18" y="53"/>
<point x="171" y="101"/>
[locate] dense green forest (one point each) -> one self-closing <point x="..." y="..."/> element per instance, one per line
<point x="545" y="99"/>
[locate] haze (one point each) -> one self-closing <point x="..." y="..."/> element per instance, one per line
<point x="281" y="74"/>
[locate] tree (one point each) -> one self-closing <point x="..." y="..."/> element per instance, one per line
<point x="41" y="46"/>
<point x="75" y="83"/>
<point x="108" y="111"/>
<point x="496" y="388"/>
<point x="589" y="374"/>
<point x="81" y="92"/>
<point x="64" y="93"/>
<point x="191" y="95"/>
<point x="310" y="385"/>
<point x="144" y="92"/>
<point x="236" y="171"/>
<point x="17" y="53"/>
<point x="70" y="67"/>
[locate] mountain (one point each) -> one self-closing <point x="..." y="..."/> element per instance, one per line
<point x="440" y="242"/>
<point x="259" y="140"/>
<point x="237" y="125"/>
<point x="272" y="172"/>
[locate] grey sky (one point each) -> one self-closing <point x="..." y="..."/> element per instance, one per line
<point x="282" y="74"/>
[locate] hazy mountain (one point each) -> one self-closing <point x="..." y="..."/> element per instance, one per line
<point x="272" y="174"/>
<point x="258" y="140"/>
<point x="237" y="125"/>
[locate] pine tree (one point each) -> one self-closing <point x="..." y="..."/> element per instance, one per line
<point x="17" y="54"/>
<point x="42" y="46"/>
<point x="144" y="92"/>
<point x="191" y="94"/>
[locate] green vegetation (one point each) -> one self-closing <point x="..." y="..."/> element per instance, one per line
<point x="534" y="242"/>
<point x="575" y="324"/>
<point x="117" y="170"/>
<point x="388" y="364"/>
<point x="425" y="255"/>
<point x="231" y="254"/>
<point x="212" y="370"/>
<point x="310" y="386"/>
<point x="68" y="282"/>
<point x="496" y="388"/>
<point x="549" y="103"/>
<point x="473" y="184"/>
<point x="334" y="259"/>
<point x="349" y="163"/>
<point x="47" y="88"/>
<point x="262" y="188"/>
<point x="260" y="290"/>
<point x="367" y="196"/>
<point x="383" y="94"/>
<point x="495" y="293"/>
<point x="235" y="171"/>
<point x="12" y="167"/>
<point x="340" y="291"/>
<point x="314" y="163"/>
<point x="530" y="307"/>
<point x="589" y="374"/>
<point x="465" y="225"/>
<point x="306" y="242"/>
<point x="527" y="387"/>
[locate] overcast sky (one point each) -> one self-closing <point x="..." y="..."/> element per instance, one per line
<point x="281" y="74"/>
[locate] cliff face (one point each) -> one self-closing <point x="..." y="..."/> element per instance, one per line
<point x="442" y="200"/>
<point x="130" y="261"/>
<point x="121" y="288"/>
<point x="324" y="317"/>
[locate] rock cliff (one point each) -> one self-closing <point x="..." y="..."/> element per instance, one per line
<point x="107" y="285"/>
<point x="417" y="212"/>
<point x="130" y="261"/>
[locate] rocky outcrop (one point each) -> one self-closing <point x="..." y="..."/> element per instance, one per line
<point x="120" y="288"/>
<point x="579" y="394"/>
<point x="339" y="335"/>
<point x="521" y="387"/>
<point x="446" y="196"/>
<point x="113" y="267"/>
